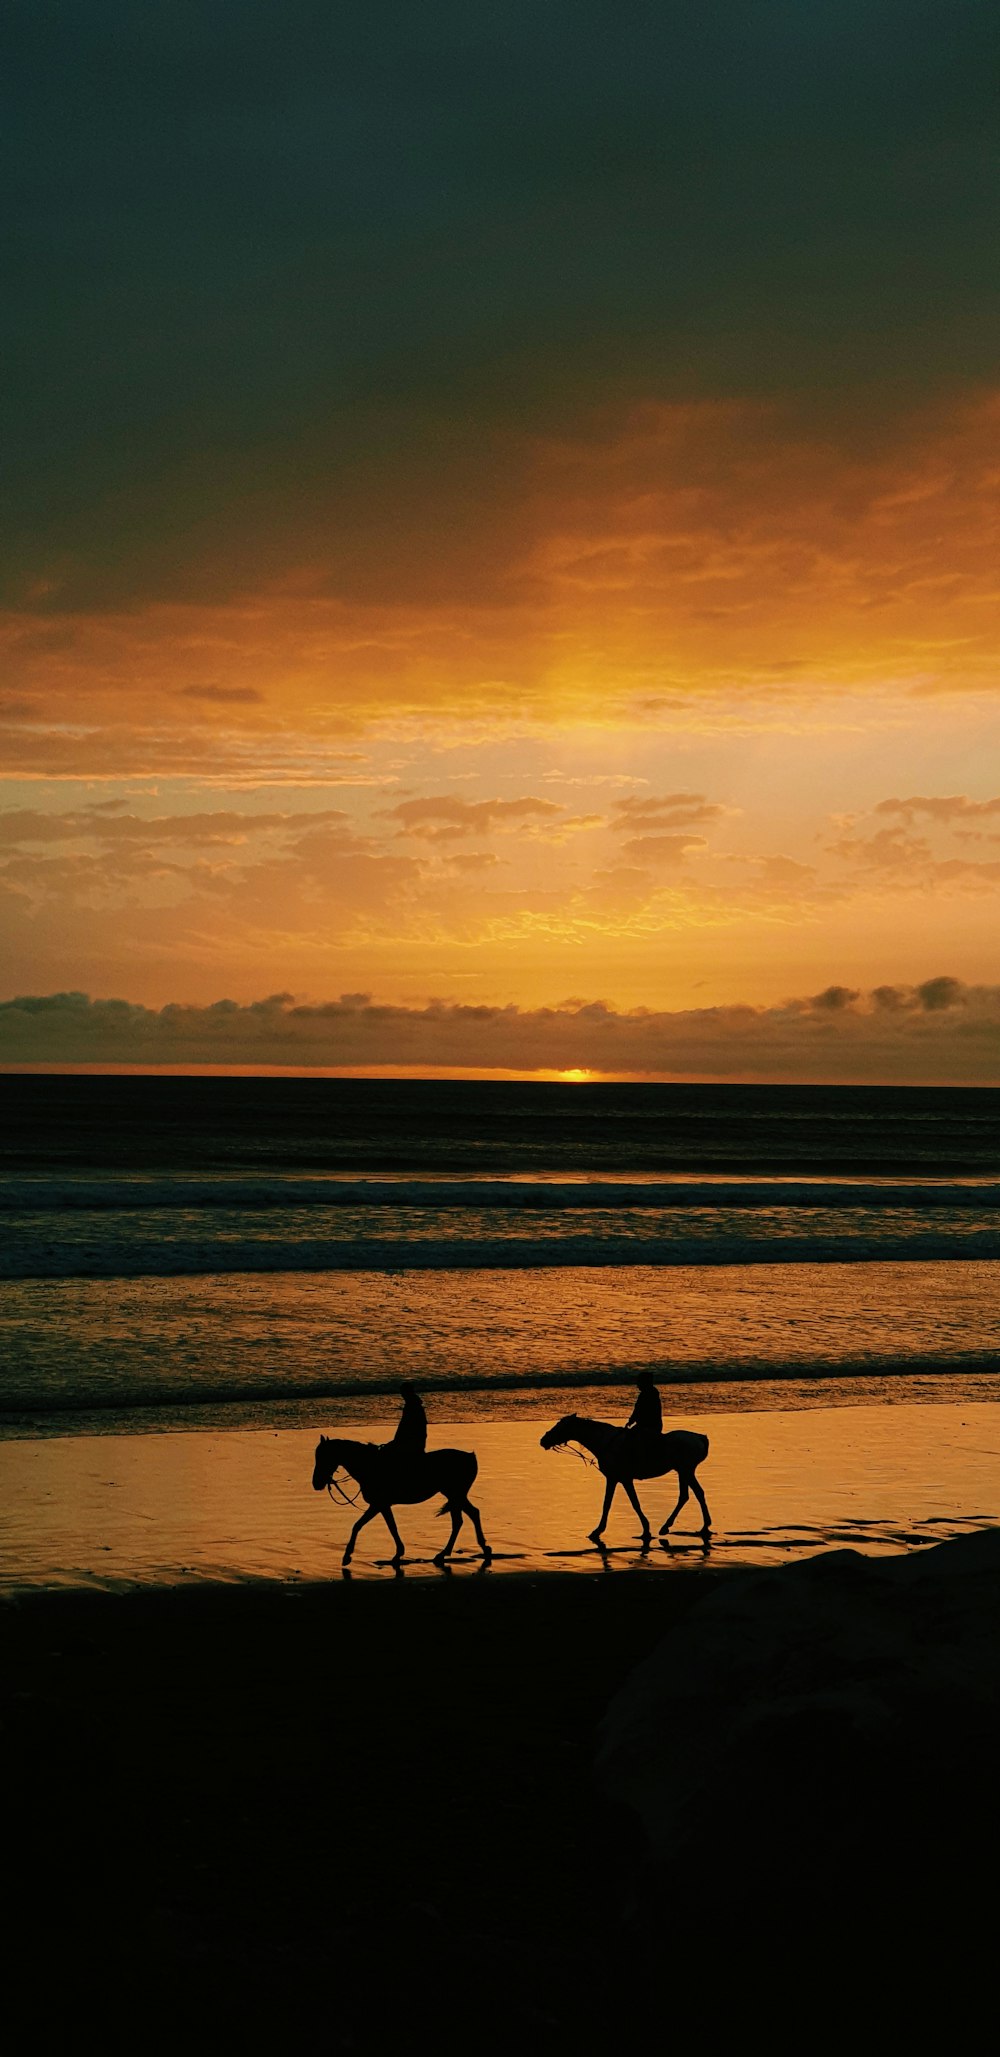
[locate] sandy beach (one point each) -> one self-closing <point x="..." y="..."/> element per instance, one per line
<point x="368" y="1813"/>
<point x="373" y="1811"/>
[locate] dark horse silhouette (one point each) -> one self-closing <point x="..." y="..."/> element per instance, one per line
<point x="386" y="1480"/>
<point x="625" y="1454"/>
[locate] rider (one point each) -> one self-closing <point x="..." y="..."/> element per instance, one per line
<point x="647" y="1414"/>
<point x="410" y="1439"/>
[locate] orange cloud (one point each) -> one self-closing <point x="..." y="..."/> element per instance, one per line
<point x="680" y="559"/>
<point x="712" y="545"/>
<point x="443" y="817"/>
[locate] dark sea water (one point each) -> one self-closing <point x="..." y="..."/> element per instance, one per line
<point x="193" y="1251"/>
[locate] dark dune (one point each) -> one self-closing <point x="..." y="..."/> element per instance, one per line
<point x="812" y="1755"/>
<point x="319" y="1808"/>
<point x="369" y="1814"/>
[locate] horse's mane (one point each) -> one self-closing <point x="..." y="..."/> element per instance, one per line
<point x="573" y="1423"/>
<point x="353" y="1443"/>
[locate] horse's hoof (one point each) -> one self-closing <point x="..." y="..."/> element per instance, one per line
<point x="665" y="1530"/>
<point x="487" y="1555"/>
<point x="441" y="1558"/>
<point x="595" y="1535"/>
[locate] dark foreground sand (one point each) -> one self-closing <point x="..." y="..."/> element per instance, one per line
<point x="366" y="1817"/>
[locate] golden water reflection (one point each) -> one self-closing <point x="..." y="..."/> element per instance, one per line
<point x="483" y="1343"/>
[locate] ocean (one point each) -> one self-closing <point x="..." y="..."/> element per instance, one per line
<point x="200" y="1275"/>
<point x="204" y="1252"/>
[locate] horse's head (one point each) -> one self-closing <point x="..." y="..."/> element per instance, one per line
<point x="563" y="1432"/>
<point x="326" y="1462"/>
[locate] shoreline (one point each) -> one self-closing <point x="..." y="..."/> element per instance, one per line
<point x="753" y="1389"/>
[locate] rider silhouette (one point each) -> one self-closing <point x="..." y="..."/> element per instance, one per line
<point x="647" y="1414"/>
<point x="410" y="1439"/>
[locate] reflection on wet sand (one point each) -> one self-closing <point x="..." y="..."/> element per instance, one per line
<point x="238" y="1506"/>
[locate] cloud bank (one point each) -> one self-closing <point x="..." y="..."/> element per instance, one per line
<point x="304" y="275"/>
<point x="939" y="1032"/>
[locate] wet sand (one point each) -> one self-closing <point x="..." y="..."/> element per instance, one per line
<point x="366" y="1813"/>
<point x="121" y="1511"/>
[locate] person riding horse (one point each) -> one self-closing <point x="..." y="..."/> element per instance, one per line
<point x="409" y="1443"/>
<point x="647" y="1414"/>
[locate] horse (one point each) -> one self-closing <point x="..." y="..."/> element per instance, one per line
<point x="625" y="1454"/>
<point x="387" y="1480"/>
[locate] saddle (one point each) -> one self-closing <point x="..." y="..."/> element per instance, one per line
<point x="643" y="1447"/>
<point x="400" y="1464"/>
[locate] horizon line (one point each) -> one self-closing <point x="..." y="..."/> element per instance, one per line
<point x="484" y="1075"/>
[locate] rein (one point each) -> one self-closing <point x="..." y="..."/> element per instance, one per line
<point x="585" y="1456"/>
<point x="352" y="1499"/>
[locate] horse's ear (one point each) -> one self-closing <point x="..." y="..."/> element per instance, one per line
<point x="322" y="1439"/>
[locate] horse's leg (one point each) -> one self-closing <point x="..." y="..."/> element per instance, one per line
<point x="629" y="1485"/>
<point x="671" y="1518"/>
<point x="609" y="1494"/>
<point x="390" y="1522"/>
<point x="362" y="1520"/>
<point x="473" y="1514"/>
<point x="703" y="1504"/>
<point x="455" y="1510"/>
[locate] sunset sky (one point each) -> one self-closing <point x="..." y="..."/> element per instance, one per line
<point x="500" y="524"/>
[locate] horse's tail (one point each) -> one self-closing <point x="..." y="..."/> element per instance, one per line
<point x="471" y="1468"/>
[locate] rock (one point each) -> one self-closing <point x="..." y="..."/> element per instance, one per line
<point x="812" y="1750"/>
